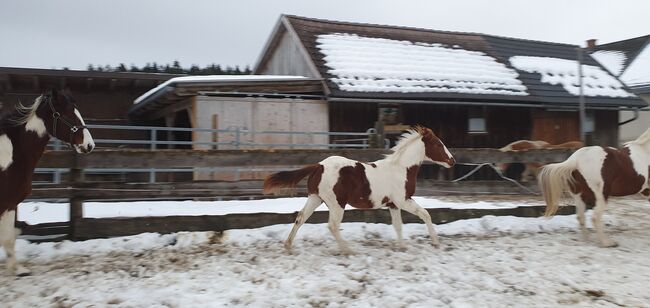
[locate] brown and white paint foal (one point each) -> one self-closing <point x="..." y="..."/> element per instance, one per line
<point x="593" y="174"/>
<point x="23" y="137"/>
<point x="389" y="182"/>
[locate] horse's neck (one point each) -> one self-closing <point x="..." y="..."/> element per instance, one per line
<point x="28" y="148"/>
<point x="407" y="157"/>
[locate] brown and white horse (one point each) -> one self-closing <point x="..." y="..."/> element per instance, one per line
<point x="389" y="182"/>
<point x="593" y="174"/>
<point x="24" y="135"/>
<point x="531" y="169"/>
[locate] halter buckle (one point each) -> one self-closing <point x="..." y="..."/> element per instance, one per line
<point x="56" y="115"/>
<point x="74" y="129"/>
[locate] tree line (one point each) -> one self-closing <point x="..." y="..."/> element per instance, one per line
<point x="174" y="68"/>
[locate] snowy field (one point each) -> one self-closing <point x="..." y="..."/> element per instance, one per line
<point x="487" y="262"/>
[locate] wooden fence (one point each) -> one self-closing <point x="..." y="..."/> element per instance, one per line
<point x="77" y="190"/>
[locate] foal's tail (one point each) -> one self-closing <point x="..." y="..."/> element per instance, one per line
<point x="553" y="180"/>
<point x="287" y="180"/>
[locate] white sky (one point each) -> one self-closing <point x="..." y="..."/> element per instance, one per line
<point x="74" y="33"/>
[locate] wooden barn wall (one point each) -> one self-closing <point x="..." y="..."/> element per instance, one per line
<point x="287" y="59"/>
<point x="504" y="125"/>
<point x="606" y="133"/>
<point x="555" y="126"/>
<point x="449" y="122"/>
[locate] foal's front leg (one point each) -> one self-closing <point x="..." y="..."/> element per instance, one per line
<point x="415" y="209"/>
<point x="396" y="220"/>
<point x="8" y="236"/>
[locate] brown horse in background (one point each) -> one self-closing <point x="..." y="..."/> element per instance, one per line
<point x="24" y="134"/>
<point x="531" y="169"/>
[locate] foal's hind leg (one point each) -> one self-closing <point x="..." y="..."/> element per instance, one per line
<point x="334" y="224"/>
<point x="599" y="210"/>
<point x="396" y="220"/>
<point x="415" y="209"/>
<point x="8" y="240"/>
<point x="580" y="213"/>
<point x="313" y="201"/>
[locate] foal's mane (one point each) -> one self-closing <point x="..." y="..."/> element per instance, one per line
<point x="643" y="139"/>
<point x="21" y="113"/>
<point x="405" y="141"/>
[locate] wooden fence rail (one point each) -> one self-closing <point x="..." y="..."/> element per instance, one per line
<point x="244" y="189"/>
<point x="243" y="158"/>
<point x="77" y="191"/>
<point x="92" y="228"/>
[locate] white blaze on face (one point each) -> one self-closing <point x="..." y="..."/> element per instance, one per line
<point x="88" y="141"/>
<point x="6" y="152"/>
<point x="446" y="150"/>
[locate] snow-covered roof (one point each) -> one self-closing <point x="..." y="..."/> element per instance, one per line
<point x="629" y="60"/>
<point x="638" y="72"/>
<point x="368" y="64"/>
<point x="213" y="79"/>
<point x="612" y="60"/>
<point x="596" y="81"/>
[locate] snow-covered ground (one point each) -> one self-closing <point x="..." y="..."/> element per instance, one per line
<point x="487" y="262"/>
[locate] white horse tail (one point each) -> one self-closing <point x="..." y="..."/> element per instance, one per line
<point x="554" y="179"/>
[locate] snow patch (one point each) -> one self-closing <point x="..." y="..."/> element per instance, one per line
<point x="612" y="60"/>
<point x="383" y="65"/>
<point x="556" y="71"/>
<point x="44" y="212"/>
<point x="638" y="72"/>
<point x="213" y="78"/>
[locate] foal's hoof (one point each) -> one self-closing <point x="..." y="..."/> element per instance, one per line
<point x="608" y="244"/>
<point x="21" y="272"/>
<point x="346" y="252"/>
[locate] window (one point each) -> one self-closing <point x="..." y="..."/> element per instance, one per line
<point x="476" y="122"/>
<point x="476" y="126"/>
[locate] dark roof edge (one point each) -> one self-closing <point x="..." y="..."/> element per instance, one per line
<point x="422" y="30"/>
<point x="479" y="103"/>
<point x="86" y="74"/>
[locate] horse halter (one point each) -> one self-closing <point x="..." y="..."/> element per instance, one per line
<point x="56" y="116"/>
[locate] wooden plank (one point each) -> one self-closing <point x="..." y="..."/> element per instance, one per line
<point x="90" y="228"/>
<point x="243" y="158"/>
<point x="44" y="229"/>
<point x="209" y="189"/>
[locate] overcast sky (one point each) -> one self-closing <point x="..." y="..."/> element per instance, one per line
<point x="74" y="33"/>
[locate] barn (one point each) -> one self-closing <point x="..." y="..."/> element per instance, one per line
<point x="102" y="97"/>
<point x="475" y="90"/>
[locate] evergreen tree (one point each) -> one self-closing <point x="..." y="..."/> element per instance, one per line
<point x="121" y="68"/>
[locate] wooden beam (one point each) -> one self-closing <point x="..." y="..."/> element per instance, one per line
<point x="112" y="84"/>
<point x="251" y="188"/>
<point x="89" y="84"/>
<point x="90" y="228"/>
<point x="295" y="157"/>
<point x="35" y="83"/>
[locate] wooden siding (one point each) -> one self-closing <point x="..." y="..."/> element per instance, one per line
<point x="555" y="126"/>
<point x="286" y="59"/>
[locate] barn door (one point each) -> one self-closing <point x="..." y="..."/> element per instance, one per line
<point x="555" y="126"/>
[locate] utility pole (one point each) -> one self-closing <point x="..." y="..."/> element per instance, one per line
<point x="581" y="99"/>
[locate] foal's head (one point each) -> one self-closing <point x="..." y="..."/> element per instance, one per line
<point x="434" y="149"/>
<point x="63" y="121"/>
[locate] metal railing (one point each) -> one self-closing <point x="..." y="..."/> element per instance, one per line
<point x="232" y="138"/>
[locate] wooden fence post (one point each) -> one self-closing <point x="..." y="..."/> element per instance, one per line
<point x="76" y="202"/>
